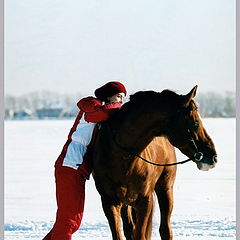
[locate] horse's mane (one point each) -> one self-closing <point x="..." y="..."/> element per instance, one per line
<point x="147" y="98"/>
<point x="143" y="96"/>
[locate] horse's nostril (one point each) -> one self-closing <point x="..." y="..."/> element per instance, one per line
<point x="214" y="158"/>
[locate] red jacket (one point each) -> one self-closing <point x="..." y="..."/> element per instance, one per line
<point x="94" y="111"/>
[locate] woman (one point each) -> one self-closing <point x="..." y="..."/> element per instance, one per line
<point x="73" y="165"/>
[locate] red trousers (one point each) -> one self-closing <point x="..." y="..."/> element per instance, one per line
<point x="70" y="194"/>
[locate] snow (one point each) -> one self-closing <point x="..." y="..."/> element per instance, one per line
<point x="205" y="202"/>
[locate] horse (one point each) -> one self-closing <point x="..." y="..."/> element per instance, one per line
<point x="148" y="127"/>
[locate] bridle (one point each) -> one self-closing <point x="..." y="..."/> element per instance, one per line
<point x="197" y="155"/>
<point x="196" y="158"/>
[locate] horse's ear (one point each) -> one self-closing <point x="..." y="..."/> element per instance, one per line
<point x="188" y="97"/>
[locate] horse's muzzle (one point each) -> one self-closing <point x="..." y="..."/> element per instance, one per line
<point x="206" y="164"/>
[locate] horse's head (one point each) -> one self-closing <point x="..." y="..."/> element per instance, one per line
<point x="186" y="132"/>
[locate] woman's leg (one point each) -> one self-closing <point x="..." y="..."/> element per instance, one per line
<point x="70" y="192"/>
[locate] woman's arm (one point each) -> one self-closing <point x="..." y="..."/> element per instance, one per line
<point x="95" y="111"/>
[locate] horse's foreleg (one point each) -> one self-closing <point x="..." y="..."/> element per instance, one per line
<point x="144" y="209"/>
<point x="128" y="221"/>
<point x="112" y="213"/>
<point x="148" y="233"/>
<point x="165" y="200"/>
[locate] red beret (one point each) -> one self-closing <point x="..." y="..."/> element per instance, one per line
<point x="109" y="89"/>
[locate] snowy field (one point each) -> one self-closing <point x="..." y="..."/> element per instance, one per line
<point x="204" y="206"/>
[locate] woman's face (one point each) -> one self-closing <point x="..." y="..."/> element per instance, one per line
<point x="117" y="98"/>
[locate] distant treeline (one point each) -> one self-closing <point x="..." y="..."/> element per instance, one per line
<point x="213" y="104"/>
<point x="48" y="104"/>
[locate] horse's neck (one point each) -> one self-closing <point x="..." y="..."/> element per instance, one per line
<point x="137" y="131"/>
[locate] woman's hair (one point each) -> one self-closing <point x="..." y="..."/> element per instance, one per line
<point x="109" y="89"/>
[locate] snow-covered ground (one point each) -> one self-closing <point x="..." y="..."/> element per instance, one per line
<point x="204" y="206"/>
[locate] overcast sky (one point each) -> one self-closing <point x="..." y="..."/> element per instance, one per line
<point x="75" y="46"/>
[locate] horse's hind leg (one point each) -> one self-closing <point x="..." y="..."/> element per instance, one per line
<point x="128" y="218"/>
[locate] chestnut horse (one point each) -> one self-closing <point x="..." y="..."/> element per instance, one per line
<point x="147" y="126"/>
